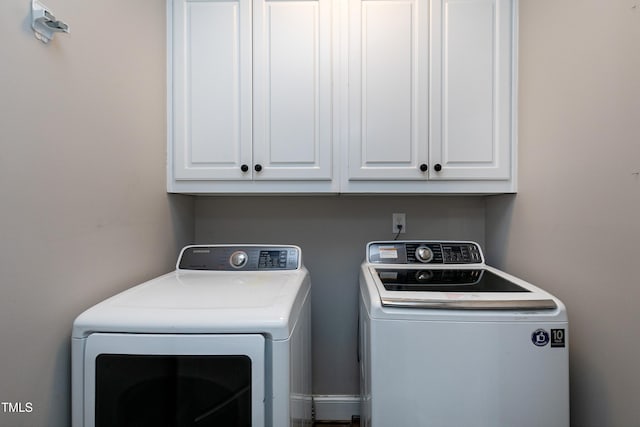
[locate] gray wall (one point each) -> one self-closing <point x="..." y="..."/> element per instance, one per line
<point x="83" y="207"/>
<point x="574" y="226"/>
<point x="333" y="232"/>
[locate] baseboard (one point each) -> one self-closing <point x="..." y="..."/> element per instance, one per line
<point x="335" y="407"/>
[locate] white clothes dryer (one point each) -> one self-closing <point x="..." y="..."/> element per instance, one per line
<point x="447" y="341"/>
<point x="222" y="340"/>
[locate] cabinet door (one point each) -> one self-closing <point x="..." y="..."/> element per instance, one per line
<point x="388" y="88"/>
<point x="471" y="117"/>
<point x="211" y="126"/>
<point x="292" y="131"/>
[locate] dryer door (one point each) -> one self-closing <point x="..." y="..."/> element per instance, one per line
<point x="174" y="380"/>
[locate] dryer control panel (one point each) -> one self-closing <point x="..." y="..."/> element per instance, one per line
<point x="424" y="252"/>
<point x="239" y="258"/>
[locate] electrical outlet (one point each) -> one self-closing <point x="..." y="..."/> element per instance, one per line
<point x="399" y="222"/>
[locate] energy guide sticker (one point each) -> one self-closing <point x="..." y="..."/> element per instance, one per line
<point x="557" y="338"/>
<point x="388" y="252"/>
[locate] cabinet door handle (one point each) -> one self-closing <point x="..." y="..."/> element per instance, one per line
<point x="424" y="167"/>
<point x="258" y="167"/>
<point x="244" y="168"/>
<point x="437" y="167"/>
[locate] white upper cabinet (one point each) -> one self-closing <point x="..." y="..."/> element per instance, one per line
<point x="212" y="83"/>
<point x="431" y="92"/>
<point x="351" y="96"/>
<point x="471" y="109"/>
<point x="292" y="89"/>
<point x="388" y="89"/>
<point x="251" y="96"/>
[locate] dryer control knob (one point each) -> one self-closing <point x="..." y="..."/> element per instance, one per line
<point x="238" y="259"/>
<point x="424" y="254"/>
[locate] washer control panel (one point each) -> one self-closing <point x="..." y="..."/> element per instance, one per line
<point x="424" y="252"/>
<point x="239" y="258"/>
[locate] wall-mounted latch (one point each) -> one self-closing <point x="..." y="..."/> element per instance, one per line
<point x="44" y="23"/>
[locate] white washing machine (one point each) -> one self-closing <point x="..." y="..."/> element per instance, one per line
<point x="224" y="340"/>
<point x="446" y="340"/>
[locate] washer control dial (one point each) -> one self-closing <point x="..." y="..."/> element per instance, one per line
<point x="424" y="254"/>
<point x="238" y="259"/>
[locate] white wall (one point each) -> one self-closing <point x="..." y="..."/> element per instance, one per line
<point x="333" y="232"/>
<point x="83" y="207"/>
<point x="574" y="226"/>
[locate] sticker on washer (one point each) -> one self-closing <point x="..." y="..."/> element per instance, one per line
<point x="540" y="337"/>
<point x="388" y="252"/>
<point x="557" y="338"/>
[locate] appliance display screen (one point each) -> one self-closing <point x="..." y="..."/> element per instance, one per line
<point x="272" y="259"/>
<point x="449" y="280"/>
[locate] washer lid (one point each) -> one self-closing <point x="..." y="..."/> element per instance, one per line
<point x="460" y="288"/>
<point x="445" y="280"/>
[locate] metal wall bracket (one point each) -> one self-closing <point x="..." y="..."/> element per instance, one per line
<point x="44" y="23"/>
